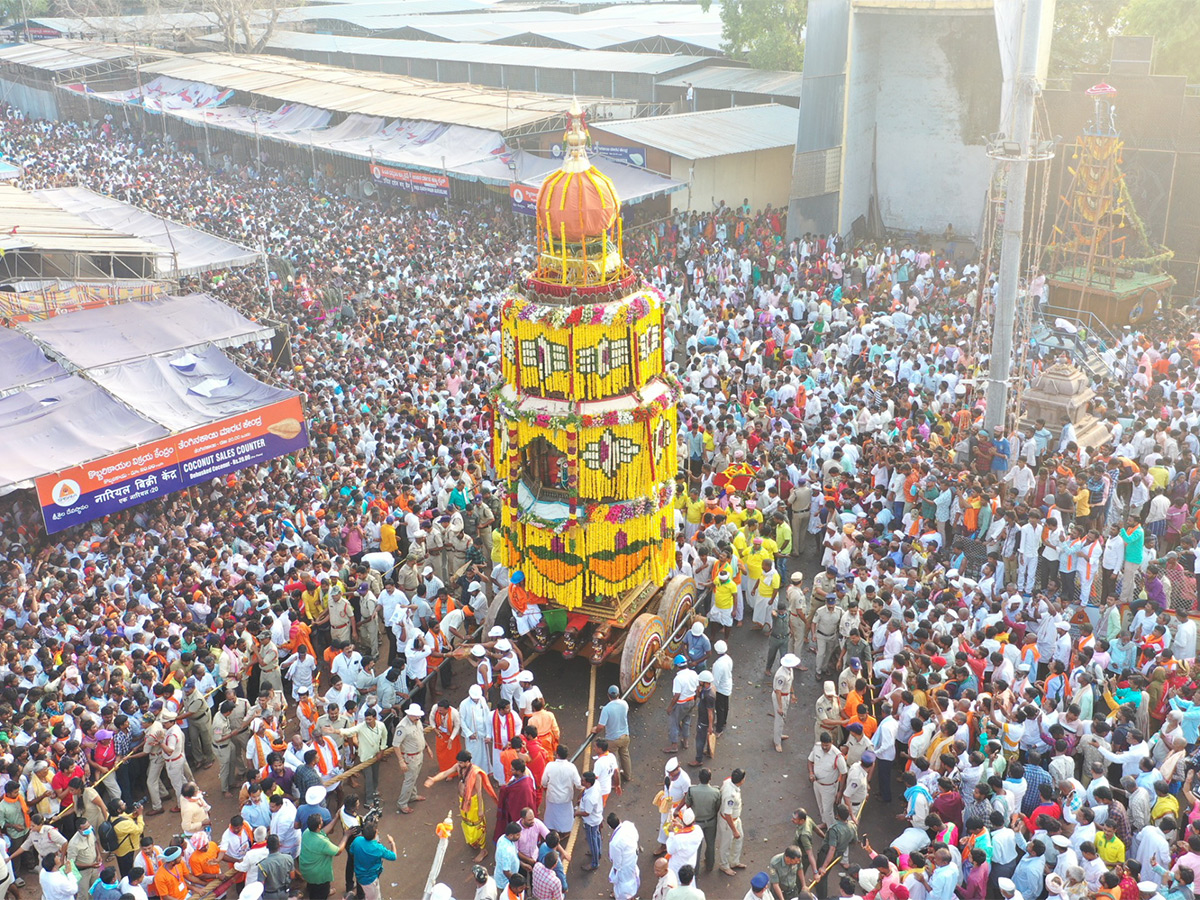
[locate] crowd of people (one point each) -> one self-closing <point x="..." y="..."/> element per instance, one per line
<point x="998" y="621"/>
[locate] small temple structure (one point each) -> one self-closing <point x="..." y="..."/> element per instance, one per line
<point x="584" y="437"/>
<point x="1102" y="260"/>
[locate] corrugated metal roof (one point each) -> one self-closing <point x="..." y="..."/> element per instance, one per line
<point x="748" y="81"/>
<point x="355" y="91"/>
<point x="718" y="132"/>
<point x="27" y="222"/>
<point x="494" y="54"/>
<point x="63" y="54"/>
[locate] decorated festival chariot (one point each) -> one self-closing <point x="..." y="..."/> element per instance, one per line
<point x="584" y="440"/>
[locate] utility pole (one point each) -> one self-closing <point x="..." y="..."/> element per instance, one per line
<point x="1015" y="152"/>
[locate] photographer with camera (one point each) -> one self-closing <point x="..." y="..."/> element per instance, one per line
<point x="127" y="829"/>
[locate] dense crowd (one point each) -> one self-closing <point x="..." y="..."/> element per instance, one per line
<point x="999" y="620"/>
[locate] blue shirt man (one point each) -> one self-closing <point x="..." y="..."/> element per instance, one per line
<point x="945" y="878"/>
<point x="614" y="715"/>
<point x="508" y="863"/>
<point x="1030" y="874"/>
<point x="369" y="855"/>
<point x="257" y="810"/>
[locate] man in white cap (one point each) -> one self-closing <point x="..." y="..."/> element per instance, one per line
<point x="1008" y="890"/>
<point x="676" y="783"/>
<point x="508" y="666"/>
<point x="706" y="720"/>
<point x="475" y="723"/>
<point x="484" y="676"/>
<point x="683" y="840"/>
<point x="782" y="696"/>
<point x="528" y="693"/>
<point x="411" y="748"/>
<point x="477" y="599"/>
<point x="722" y="670"/>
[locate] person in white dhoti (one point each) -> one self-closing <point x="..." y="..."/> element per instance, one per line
<point x="476" y="724"/>
<point x="623" y="852"/>
<point x="675" y="787"/>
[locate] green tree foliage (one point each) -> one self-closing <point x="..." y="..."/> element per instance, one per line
<point x="1082" y="40"/>
<point x="1175" y="25"/>
<point x="768" y="34"/>
<point x="1084" y="29"/>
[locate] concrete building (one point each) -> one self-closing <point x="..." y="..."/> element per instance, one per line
<point x="725" y="154"/>
<point x="897" y="98"/>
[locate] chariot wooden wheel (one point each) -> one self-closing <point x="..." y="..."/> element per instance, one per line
<point x="643" y="643"/>
<point x="497" y="611"/>
<point x="675" y="607"/>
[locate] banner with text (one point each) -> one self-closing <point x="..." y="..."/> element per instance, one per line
<point x="155" y="469"/>
<point x="524" y="199"/>
<point x="417" y="182"/>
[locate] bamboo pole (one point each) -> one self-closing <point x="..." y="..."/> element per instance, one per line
<point x="591" y="715"/>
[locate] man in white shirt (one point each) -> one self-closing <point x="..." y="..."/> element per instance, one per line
<point x="722" y="670"/>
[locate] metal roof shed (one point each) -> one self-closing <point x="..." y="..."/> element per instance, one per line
<point x="718" y="87"/>
<point x="746" y="150"/>
<point x="541" y="69"/>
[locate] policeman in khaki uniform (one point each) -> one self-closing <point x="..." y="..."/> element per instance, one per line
<point x="729" y="823"/>
<point x="409" y="741"/>
<point x="238" y="720"/>
<point x="829" y="711"/>
<point x="781" y="696"/>
<point x="826" y="622"/>
<point x="798" y="620"/>
<point x="268" y="662"/>
<point x="199" y="717"/>
<point x="826" y="770"/>
<point x="222" y="746"/>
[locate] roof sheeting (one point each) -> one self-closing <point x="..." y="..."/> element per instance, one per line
<point x="135" y="330"/>
<point x="22" y="363"/>
<point x="62" y="54"/>
<point x="718" y="132"/>
<point x="742" y="81"/>
<point x="356" y="91"/>
<point x="191" y="250"/>
<point x="32" y="223"/>
<point x="180" y="391"/>
<point x="491" y="54"/>
<point x="61" y="424"/>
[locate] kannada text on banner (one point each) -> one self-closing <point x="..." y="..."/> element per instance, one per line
<point x="121" y="480"/>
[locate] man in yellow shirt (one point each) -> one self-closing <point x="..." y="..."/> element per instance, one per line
<point x="769" y="582"/>
<point x="1109" y="847"/>
<point x="387" y="536"/>
<point x="316" y="604"/>
<point x="761" y="550"/>
<point x="724" y="595"/>
<point x="693" y="508"/>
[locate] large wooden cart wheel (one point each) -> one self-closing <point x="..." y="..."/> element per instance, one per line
<point x="642" y="645"/>
<point x="497" y="611"/>
<point x="676" y="606"/>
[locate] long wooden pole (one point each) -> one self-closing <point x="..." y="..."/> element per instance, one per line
<point x="591" y="714"/>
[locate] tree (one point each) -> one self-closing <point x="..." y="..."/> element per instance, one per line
<point x="1083" y="32"/>
<point x="1175" y="26"/>
<point x="768" y="34"/>
<point x="244" y="24"/>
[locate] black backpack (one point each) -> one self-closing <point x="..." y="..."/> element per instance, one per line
<point x="107" y="835"/>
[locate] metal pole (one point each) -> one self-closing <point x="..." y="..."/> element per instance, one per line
<point x="1025" y="97"/>
<point x="267" y="276"/>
